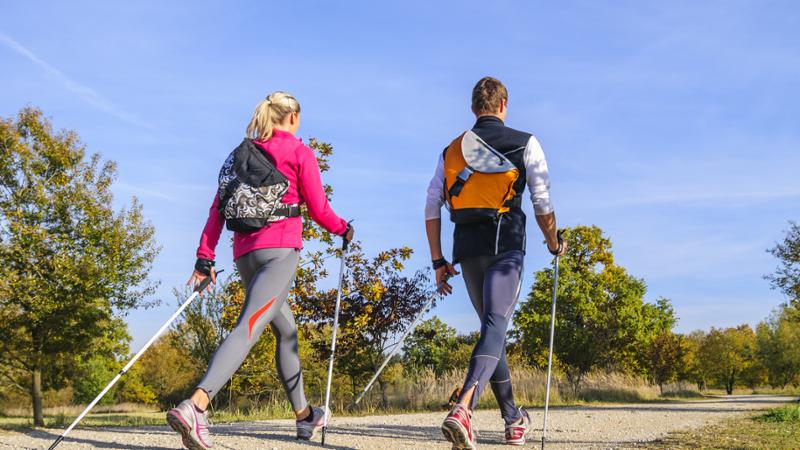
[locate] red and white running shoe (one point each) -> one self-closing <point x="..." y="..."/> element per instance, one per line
<point x="458" y="429"/>
<point x="517" y="432"/>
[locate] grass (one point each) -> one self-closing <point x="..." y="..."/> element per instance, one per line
<point x="424" y="392"/>
<point x="123" y="415"/>
<point x="776" y="429"/>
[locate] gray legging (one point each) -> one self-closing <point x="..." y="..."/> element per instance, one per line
<point x="268" y="275"/>
<point x="493" y="284"/>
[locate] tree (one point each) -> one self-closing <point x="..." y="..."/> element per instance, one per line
<point x="70" y="260"/>
<point x="691" y="367"/>
<point x="664" y="358"/>
<point x="727" y="354"/>
<point x="778" y="343"/>
<point x="378" y="303"/>
<point x="787" y="276"/>
<point x="602" y="320"/>
<point x="431" y="347"/>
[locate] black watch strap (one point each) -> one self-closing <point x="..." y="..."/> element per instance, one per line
<point x="438" y="263"/>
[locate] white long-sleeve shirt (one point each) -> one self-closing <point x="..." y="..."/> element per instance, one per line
<point x="538" y="180"/>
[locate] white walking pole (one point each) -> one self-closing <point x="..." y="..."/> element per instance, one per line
<point x="169" y="321"/>
<point x="399" y="343"/>
<point x="333" y="343"/>
<point x="550" y="356"/>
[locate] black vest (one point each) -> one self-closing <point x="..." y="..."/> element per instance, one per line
<point x="507" y="232"/>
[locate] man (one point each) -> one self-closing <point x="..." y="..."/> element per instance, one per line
<point x="481" y="176"/>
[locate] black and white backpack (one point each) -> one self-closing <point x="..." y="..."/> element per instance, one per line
<point x="251" y="190"/>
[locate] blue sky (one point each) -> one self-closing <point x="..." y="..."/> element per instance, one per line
<point x="671" y="125"/>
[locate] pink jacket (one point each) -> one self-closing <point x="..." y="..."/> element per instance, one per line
<point x="299" y="165"/>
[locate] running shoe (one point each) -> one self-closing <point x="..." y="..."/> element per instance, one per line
<point x="518" y="431"/>
<point x="191" y="424"/>
<point x="307" y="428"/>
<point x="458" y="429"/>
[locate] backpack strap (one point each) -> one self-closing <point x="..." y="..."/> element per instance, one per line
<point x="461" y="180"/>
<point x="287" y="210"/>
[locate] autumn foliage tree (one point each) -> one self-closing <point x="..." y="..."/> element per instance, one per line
<point x="728" y="354"/>
<point x="70" y="262"/>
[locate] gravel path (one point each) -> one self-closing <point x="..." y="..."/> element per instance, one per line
<point x="582" y="427"/>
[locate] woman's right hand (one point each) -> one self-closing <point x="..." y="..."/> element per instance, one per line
<point x="198" y="277"/>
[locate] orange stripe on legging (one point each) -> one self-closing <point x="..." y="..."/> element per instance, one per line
<point x="254" y="318"/>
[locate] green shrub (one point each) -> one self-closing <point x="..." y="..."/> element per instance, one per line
<point x="789" y="413"/>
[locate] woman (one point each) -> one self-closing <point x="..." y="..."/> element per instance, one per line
<point x="267" y="260"/>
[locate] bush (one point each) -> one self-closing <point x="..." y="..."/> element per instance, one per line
<point x="789" y="413"/>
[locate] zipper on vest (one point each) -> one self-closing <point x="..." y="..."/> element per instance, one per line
<point x="497" y="236"/>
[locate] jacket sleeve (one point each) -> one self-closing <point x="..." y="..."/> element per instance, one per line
<point x="312" y="192"/>
<point x="538" y="178"/>
<point x="435" y="196"/>
<point x="211" y="232"/>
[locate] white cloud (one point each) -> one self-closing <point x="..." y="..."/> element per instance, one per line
<point x="88" y="94"/>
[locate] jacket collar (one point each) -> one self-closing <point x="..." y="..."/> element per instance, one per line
<point x="489" y="121"/>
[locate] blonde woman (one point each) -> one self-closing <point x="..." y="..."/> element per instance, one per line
<point x="267" y="260"/>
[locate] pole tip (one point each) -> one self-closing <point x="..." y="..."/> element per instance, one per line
<point x="55" y="444"/>
<point x="324" y="429"/>
<point x="543" y="438"/>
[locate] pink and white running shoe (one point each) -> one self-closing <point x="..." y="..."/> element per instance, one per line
<point x="191" y="424"/>
<point x="458" y="429"/>
<point x="308" y="427"/>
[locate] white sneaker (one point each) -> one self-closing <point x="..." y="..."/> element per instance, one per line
<point x="191" y="424"/>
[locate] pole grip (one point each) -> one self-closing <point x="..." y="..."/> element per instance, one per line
<point x="345" y="242"/>
<point x="560" y="239"/>
<point x="206" y="281"/>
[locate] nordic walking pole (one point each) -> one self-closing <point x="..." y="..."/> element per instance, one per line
<point x="400" y="342"/>
<point x="204" y="284"/>
<point x="333" y="342"/>
<point x="552" y="336"/>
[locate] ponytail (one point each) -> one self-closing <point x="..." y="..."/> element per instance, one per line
<point x="269" y="112"/>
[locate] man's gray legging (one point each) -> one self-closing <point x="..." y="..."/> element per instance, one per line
<point x="268" y="275"/>
<point x="493" y="284"/>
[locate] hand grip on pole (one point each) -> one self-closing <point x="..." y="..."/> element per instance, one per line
<point x="206" y="281"/>
<point x="560" y="239"/>
<point x="345" y="242"/>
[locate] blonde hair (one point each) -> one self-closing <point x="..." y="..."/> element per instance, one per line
<point x="270" y="112"/>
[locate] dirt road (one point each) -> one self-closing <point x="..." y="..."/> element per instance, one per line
<point x="606" y="426"/>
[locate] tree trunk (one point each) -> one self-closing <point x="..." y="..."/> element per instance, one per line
<point x="36" y="395"/>
<point x="384" y="400"/>
<point x="661" y="389"/>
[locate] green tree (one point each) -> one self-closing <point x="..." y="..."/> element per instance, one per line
<point x="728" y="354"/>
<point x="602" y="320"/>
<point x="431" y="346"/>
<point x="70" y="260"/>
<point x="787" y="275"/>
<point x="778" y="343"/>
